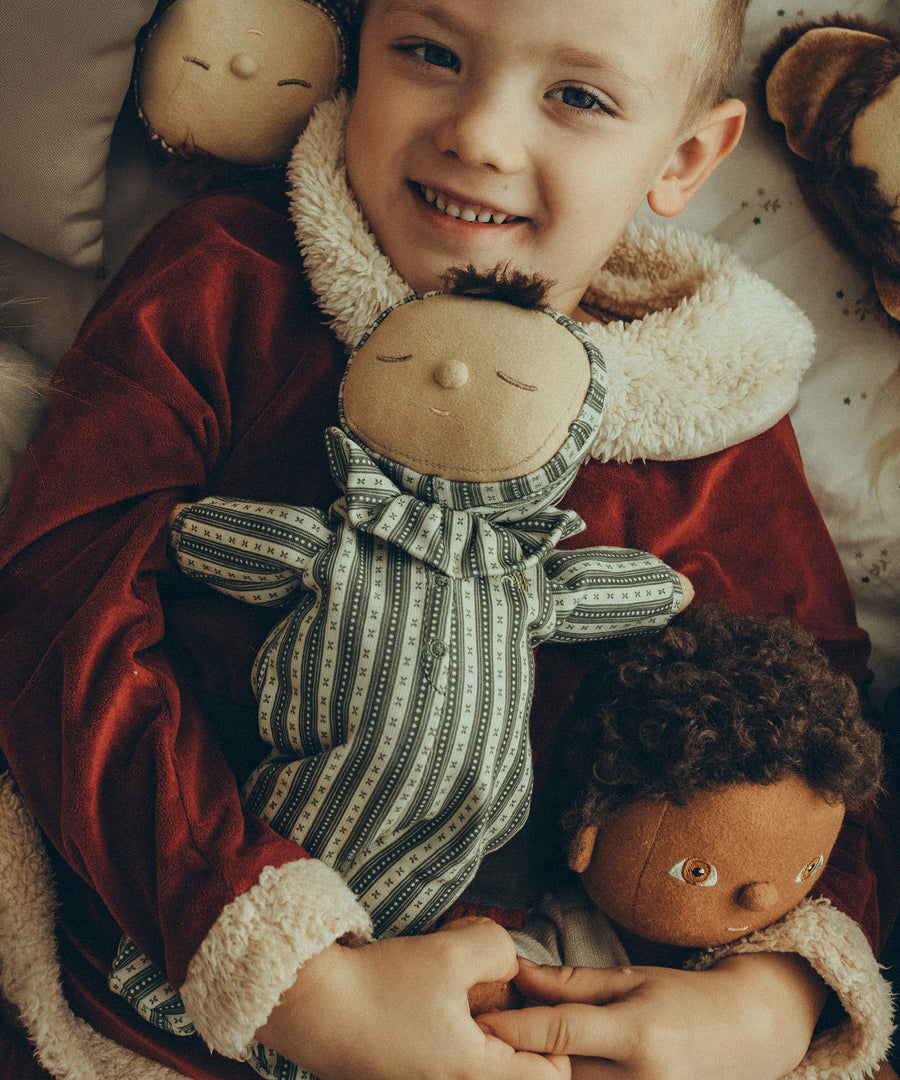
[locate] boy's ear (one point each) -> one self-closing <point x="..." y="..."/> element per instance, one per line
<point x="582" y="848"/>
<point x="712" y="140"/>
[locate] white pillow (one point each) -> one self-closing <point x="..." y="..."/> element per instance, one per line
<point x="65" y="69"/>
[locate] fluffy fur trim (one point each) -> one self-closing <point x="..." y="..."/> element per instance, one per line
<point x="701" y="352"/>
<point x="837" y="949"/>
<point x="22" y="384"/>
<point x="67" y="1046"/>
<point x="255" y="948"/>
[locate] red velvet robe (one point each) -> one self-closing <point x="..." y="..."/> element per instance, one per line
<point x="125" y="708"/>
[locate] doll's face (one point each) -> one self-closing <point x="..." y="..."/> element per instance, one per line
<point x="730" y="862"/>
<point x="466" y="389"/>
<point x="238" y="79"/>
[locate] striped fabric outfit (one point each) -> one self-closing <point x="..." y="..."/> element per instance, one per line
<point x="395" y="693"/>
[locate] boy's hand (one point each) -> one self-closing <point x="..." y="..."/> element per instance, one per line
<point x="748" y="1018"/>
<point x="398" y="1010"/>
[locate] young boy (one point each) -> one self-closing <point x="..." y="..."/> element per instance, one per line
<point x="482" y="131"/>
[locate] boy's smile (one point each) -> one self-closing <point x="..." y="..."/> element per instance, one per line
<point x="518" y="131"/>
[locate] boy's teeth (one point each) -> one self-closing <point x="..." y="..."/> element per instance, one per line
<point x="465" y="213"/>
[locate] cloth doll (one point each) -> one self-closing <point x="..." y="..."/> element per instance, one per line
<point x="711" y="767"/>
<point x="832" y="90"/>
<point x="395" y="693"/>
<point x="234" y="81"/>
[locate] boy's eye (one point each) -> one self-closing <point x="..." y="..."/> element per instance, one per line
<point x="583" y="99"/>
<point x="811" y="868"/>
<point x="695" y="872"/>
<point x="429" y="52"/>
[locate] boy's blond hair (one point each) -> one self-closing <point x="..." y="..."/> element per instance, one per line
<point x="717" y="53"/>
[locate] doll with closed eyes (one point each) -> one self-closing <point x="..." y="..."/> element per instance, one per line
<point x="232" y="83"/>
<point x="395" y="691"/>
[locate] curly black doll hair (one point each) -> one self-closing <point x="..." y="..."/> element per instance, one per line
<point x="717" y="698"/>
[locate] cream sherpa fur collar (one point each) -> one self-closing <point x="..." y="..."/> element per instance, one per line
<point x="701" y="353"/>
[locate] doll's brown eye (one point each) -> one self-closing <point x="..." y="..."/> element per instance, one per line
<point x="515" y="382"/>
<point x="196" y="60"/>
<point x="811" y="868"/>
<point x="295" y="82"/>
<point x="695" y="872"/>
<point x="393" y="359"/>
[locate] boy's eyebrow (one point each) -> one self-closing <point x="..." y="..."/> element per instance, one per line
<point x="565" y="55"/>
<point x="573" y="57"/>
<point x="437" y="13"/>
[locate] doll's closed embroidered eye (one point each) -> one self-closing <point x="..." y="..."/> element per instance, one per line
<point x="811" y="868"/>
<point x="515" y="382"/>
<point x="394" y="359"/>
<point x="295" y="82"/>
<point x="695" y="872"/>
<point x="196" y="60"/>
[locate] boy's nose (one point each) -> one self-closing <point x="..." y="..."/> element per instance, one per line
<point x="451" y="374"/>
<point x="481" y="133"/>
<point x="758" y="896"/>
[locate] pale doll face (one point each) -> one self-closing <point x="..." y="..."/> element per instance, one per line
<point x="730" y="862"/>
<point x="238" y="79"/>
<point x="466" y="389"/>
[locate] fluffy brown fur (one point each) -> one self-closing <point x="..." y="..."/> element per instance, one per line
<point x="718" y="698"/>
<point x="842" y="196"/>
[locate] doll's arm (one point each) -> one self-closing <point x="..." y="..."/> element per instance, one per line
<point x="602" y="592"/>
<point x="255" y="552"/>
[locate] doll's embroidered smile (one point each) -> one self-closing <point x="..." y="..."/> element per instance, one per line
<point x="463" y="211"/>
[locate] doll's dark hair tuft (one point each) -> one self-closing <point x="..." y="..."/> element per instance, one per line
<point x="717" y="698"/>
<point x="503" y="282"/>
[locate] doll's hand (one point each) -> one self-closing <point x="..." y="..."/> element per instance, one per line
<point x="748" y="1018"/>
<point x="687" y="591"/>
<point x="398" y="1010"/>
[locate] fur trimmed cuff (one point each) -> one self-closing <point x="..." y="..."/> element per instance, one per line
<point x="838" y="950"/>
<point x="65" y="1045"/>
<point x="254" y="950"/>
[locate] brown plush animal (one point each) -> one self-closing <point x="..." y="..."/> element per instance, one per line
<point x="832" y="88"/>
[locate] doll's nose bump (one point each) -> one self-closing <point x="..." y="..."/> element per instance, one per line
<point x="244" y="66"/>
<point x="758" y="896"/>
<point x="451" y="374"/>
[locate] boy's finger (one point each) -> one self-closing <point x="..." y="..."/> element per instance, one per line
<point x="592" y="986"/>
<point x="581" y="1030"/>
<point x="480" y="949"/>
<point x="519" y="1065"/>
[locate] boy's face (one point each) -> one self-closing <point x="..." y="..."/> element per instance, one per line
<point x="520" y="131"/>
